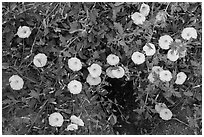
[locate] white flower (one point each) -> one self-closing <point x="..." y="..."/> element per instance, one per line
<point x="16" y="82"/>
<point x="95" y="70"/>
<point x="172" y="55"/>
<point x="160" y="106"/>
<point x="165" y="114"/>
<point x="144" y="9"/>
<point x="72" y="127"/>
<point x="24" y="32"/>
<point x="151" y="77"/>
<point x="74" y="64"/>
<point x="180" y="78"/>
<point x="76" y="120"/>
<point x="56" y="119"/>
<point x="119" y="72"/>
<point x="75" y="87"/>
<point x="165" y="41"/>
<point x="138" y="58"/>
<point x="189" y="33"/>
<point x="40" y="60"/>
<point x="112" y="59"/>
<point x="138" y="18"/>
<point x="109" y="72"/>
<point x="165" y="75"/>
<point x="161" y="16"/>
<point x="149" y="49"/>
<point x="157" y="69"/>
<point x="93" y="81"/>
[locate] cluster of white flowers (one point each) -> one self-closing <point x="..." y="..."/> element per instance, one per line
<point x="140" y="17"/>
<point x="116" y="71"/>
<point x="75" y="122"/>
<point x="163" y="111"/>
<point x="56" y="120"/>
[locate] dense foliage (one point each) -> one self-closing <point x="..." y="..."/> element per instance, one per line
<point x="43" y="42"/>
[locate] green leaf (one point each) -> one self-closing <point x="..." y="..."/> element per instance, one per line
<point x="119" y="27"/>
<point x="34" y="94"/>
<point x="188" y="93"/>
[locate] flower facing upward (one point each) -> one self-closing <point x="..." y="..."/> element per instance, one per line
<point x="75" y="87"/>
<point x="109" y="72"/>
<point x="165" y="75"/>
<point x="24" y="32"/>
<point x="56" y="119"/>
<point x="74" y="64"/>
<point x="165" y="114"/>
<point x="138" y="58"/>
<point x="157" y="69"/>
<point x="149" y="49"/>
<point x="76" y="120"/>
<point x="159" y="107"/>
<point x="72" y="127"/>
<point x="95" y="70"/>
<point x="16" y="82"/>
<point x="138" y="18"/>
<point x="180" y="78"/>
<point x="112" y="59"/>
<point x="144" y="9"/>
<point x="172" y="55"/>
<point x="40" y="60"/>
<point x="165" y="41"/>
<point x="93" y="81"/>
<point x="119" y="72"/>
<point x="189" y="33"/>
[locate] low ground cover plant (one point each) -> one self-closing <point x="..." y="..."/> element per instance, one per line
<point x="101" y="68"/>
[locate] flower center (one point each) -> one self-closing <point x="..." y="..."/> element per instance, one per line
<point x="56" y="119"/>
<point x="166" y="41"/>
<point x="75" y="86"/>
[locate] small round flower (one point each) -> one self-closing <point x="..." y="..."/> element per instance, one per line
<point x="151" y="77"/>
<point x="16" y="82"/>
<point x="172" y="55"/>
<point x="138" y="18"/>
<point x="112" y="59"/>
<point x="165" y="114"/>
<point x="144" y="9"/>
<point x="189" y="33"/>
<point x="93" y="81"/>
<point x="74" y="64"/>
<point x="165" y="75"/>
<point x="95" y="70"/>
<point x="56" y="119"/>
<point x="149" y="49"/>
<point x="180" y="78"/>
<point x="160" y="106"/>
<point x="165" y="41"/>
<point x="119" y="72"/>
<point x="109" y="72"/>
<point x="138" y="58"/>
<point x="75" y="87"/>
<point x="24" y="32"/>
<point x="40" y="60"/>
<point x="72" y="127"/>
<point x="157" y="69"/>
<point x="76" y="120"/>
